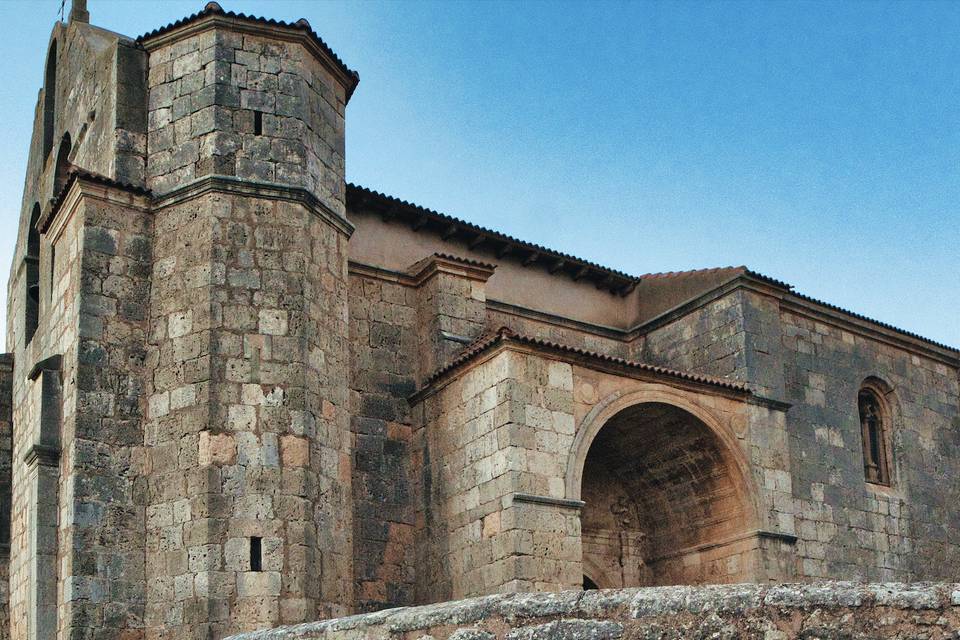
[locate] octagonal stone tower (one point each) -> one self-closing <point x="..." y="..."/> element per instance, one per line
<point x="248" y="518"/>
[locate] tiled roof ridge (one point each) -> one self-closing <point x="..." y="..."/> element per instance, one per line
<point x="77" y="173"/>
<point x="741" y="270"/>
<point x="499" y="235"/>
<point x="214" y="8"/>
<point x="506" y="334"/>
<point x="468" y="261"/>
<point x="689" y="272"/>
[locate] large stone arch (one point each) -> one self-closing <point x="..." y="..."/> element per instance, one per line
<point x="667" y="492"/>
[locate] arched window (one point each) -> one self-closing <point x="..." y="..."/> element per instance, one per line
<point x="63" y="164"/>
<point x="49" y="98"/>
<point x="31" y="302"/>
<point x="874" y="426"/>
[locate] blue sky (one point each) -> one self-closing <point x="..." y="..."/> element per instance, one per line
<point x="816" y="142"/>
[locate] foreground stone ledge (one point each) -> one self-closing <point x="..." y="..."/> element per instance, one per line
<point x="824" y="611"/>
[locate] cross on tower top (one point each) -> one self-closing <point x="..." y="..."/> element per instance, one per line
<point x="78" y="11"/>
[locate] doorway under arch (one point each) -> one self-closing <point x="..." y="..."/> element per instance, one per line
<point x="665" y="502"/>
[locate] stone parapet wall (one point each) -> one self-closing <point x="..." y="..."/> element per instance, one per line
<point x="825" y="611"/>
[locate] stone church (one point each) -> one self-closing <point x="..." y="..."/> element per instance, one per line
<point x="241" y="392"/>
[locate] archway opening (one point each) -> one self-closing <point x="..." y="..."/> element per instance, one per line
<point x="61" y="173"/>
<point x="49" y="98"/>
<point x="664" y="502"/>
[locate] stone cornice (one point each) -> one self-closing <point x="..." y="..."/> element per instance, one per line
<point x="604" y="331"/>
<point x="560" y="503"/>
<point x="425" y="269"/>
<point x="267" y="190"/>
<point x="52" y="363"/>
<point x="42" y="455"/>
<point x="442" y="263"/>
<point x="759" y="534"/>
<point x="364" y="270"/>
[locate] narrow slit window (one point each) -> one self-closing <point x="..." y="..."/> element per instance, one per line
<point x="256" y="554"/>
<point x="53" y="271"/>
<point x="31" y="303"/>
<point x="257" y="123"/>
<point x="873" y="431"/>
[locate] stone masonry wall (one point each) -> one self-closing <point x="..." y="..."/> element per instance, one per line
<point x="38" y="491"/>
<point x="396" y="341"/>
<point x="497" y="430"/>
<point x="383" y="374"/>
<point x="101" y="521"/>
<point x="249" y="425"/>
<point x="847" y="526"/>
<point x="6" y="473"/>
<point x="208" y="91"/>
<point x="447" y="304"/>
<point x="710" y="340"/>
<point x="825" y="611"/>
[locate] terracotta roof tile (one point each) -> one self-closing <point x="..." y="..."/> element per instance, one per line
<point x="687" y="272"/>
<point x="468" y="261"/>
<point x="357" y="193"/>
<point x="741" y="270"/>
<point x="78" y="173"/>
<point x="505" y="334"/>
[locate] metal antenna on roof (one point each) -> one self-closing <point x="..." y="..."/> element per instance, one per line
<point x="62" y="3"/>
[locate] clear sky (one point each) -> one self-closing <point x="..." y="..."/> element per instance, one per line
<point x="815" y="142"/>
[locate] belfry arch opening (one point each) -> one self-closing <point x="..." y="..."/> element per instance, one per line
<point x="62" y="170"/>
<point x="49" y="98"/>
<point x="665" y="502"/>
<point x="31" y="302"/>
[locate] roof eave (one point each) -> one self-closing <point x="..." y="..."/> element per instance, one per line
<point x="478" y="238"/>
<point x="506" y="338"/>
